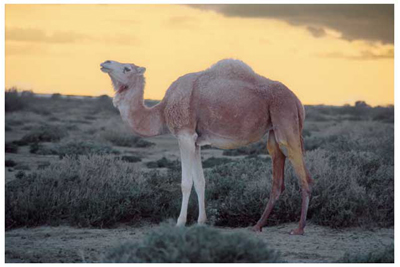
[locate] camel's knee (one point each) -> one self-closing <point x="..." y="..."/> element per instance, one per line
<point x="199" y="183"/>
<point x="278" y="193"/>
<point x="186" y="186"/>
<point x="282" y="187"/>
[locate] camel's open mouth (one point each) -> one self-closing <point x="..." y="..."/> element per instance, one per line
<point x="106" y="70"/>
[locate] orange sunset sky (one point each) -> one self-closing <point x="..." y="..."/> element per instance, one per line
<point x="326" y="54"/>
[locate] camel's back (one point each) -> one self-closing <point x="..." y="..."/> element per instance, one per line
<point x="228" y="97"/>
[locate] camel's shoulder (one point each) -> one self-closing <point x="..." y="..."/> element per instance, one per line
<point x="178" y="102"/>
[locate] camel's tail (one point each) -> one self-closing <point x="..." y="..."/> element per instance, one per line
<point x="301" y="115"/>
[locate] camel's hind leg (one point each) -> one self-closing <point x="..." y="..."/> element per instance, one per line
<point x="278" y="185"/>
<point x="290" y="142"/>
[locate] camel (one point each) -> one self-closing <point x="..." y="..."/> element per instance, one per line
<point x="226" y="106"/>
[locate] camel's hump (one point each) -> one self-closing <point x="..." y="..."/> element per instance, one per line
<point x="232" y="68"/>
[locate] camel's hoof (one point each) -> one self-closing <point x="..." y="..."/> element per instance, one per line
<point x="180" y="223"/>
<point x="297" y="231"/>
<point x="256" y="228"/>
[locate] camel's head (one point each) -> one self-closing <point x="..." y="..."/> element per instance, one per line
<point x="121" y="73"/>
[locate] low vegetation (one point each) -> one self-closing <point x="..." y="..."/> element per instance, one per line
<point x="213" y="161"/>
<point x="130" y="158"/>
<point x="385" y="255"/>
<point x="72" y="149"/>
<point x="351" y="161"/>
<point x="11" y="148"/>
<point x="352" y="188"/>
<point x="252" y="149"/>
<point x="10" y="163"/>
<point x="164" y="163"/>
<point x="43" y="133"/>
<point x="13" y="102"/>
<point x="195" y="244"/>
<point x="119" y="138"/>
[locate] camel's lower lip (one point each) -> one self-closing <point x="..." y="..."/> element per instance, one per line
<point x="106" y="70"/>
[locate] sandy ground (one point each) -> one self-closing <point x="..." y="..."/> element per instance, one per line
<point x="67" y="244"/>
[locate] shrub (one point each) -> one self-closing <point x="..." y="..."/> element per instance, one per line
<point x="347" y="191"/>
<point x="73" y="149"/>
<point x="84" y="148"/>
<point x="195" y="244"/>
<point x="40" y="110"/>
<point x="10" y="163"/>
<point x="43" y="165"/>
<point x="90" y="191"/>
<point x="56" y="96"/>
<point x="104" y="103"/>
<point x="22" y="168"/>
<point x="125" y="140"/>
<point x="385" y="255"/>
<point x="13" y="101"/>
<point x="130" y="158"/>
<point x="252" y="149"/>
<point x="43" y="133"/>
<point x="15" y="122"/>
<point x="212" y="162"/>
<point x="353" y="170"/>
<point x="164" y="163"/>
<point x="89" y="117"/>
<point x="11" y="148"/>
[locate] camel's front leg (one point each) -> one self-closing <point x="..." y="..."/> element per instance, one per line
<point x="187" y="149"/>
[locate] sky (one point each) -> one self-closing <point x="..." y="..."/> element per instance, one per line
<point x="326" y="54"/>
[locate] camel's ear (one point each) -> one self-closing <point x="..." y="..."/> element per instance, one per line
<point x="141" y="70"/>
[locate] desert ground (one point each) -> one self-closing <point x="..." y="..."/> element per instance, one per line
<point x="78" y="184"/>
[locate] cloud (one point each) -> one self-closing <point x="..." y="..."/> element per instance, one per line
<point x="37" y="35"/>
<point x="183" y="21"/>
<point x="364" y="55"/>
<point x="25" y="49"/>
<point x="372" y="22"/>
<point x="316" y="32"/>
<point x="31" y="35"/>
<point x="121" y="39"/>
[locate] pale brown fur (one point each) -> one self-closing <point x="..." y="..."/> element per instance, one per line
<point x="226" y="106"/>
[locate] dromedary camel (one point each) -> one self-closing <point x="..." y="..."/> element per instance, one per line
<point x="226" y="106"/>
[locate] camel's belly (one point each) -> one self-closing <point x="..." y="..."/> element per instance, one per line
<point x="230" y="142"/>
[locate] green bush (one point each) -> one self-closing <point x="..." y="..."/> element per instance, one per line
<point x="125" y="140"/>
<point x="72" y="149"/>
<point x="252" y="149"/>
<point x="10" y="163"/>
<point x="104" y="103"/>
<point x="56" y="96"/>
<point x="43" y="133"/>
<point x="11" y="148"/>
<point x="212" y="162"/>
<point x="164" y="163"/>
<point x="13" y="102"/>
<point x="353" y="172"/>
<point x="92" y="190"/>
<point x="385" y="255"/>
<point x="130" y="158"/>
<point x="195" y="244"/>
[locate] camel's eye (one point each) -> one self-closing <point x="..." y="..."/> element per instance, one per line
<point x="126" y="69"/>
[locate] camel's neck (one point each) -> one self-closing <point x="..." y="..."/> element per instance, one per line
<point x="142" y="120"/>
